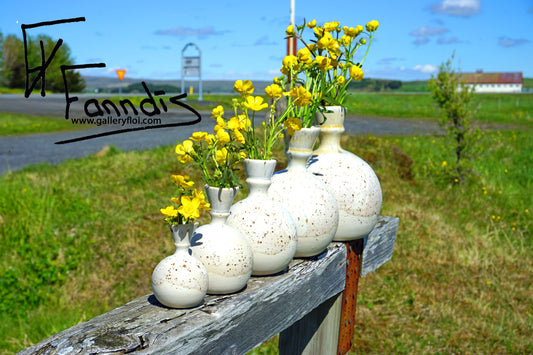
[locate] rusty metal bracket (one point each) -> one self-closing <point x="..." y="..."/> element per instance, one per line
<point x="354" y="257"/>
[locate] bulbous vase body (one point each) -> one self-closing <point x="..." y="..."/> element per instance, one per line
<point x="267" y="224"/>
<point x="309" y="201"/>
<point x="351" y="180"/>
<point x="180" y="280"/>
<point x="224" y="251"/>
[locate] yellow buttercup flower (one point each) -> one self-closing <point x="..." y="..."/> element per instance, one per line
<point x="199" y="195"/>
<point x="210" y="139"/>
<point x="217" y="112"/>
<point x="239" y="137"/>
<point x="198" y="136"/>
<point x="346" y="40"/>
<point x="184" y="151"/>
<point x="340" y="80"/>
<point x="331" y="26"/>
<point x="221" y="155"/>
<point x="319" y="32"/>
<point x="292" y="124"/>
<point x="190" y="208"/>
<point x="223" y="136"/>
<point x="273" y="91"/>
<point x="234" y="123"/>
<point x="244" y="87"/>
<point x="255" y="103"/>
<point x="221" y="124"/>
<point x="181" y="180"/>
<point x="372" y="26"/>
<point x="356" y="73"/>
<point x="311" y="24"/>
<point x="169" y="211"/>
<point x="300" y="96"/>
<point x="245" y="121"/>
<point x="304" y="55"/>
<point x="290" y="61"/>
<point x="362" y="41"/>
<point x="324" y="63"/>
<point x="290" y="31"/>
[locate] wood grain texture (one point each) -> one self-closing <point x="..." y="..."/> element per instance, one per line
<point x="379" y="244"/>
<point x="230" y="324"/>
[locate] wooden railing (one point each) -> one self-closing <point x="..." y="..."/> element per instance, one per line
<point x="311" y="306"/>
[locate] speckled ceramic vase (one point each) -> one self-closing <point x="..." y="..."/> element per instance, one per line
<point x="309" y="201"/>
<point x="180" y="280"/>
<point x="224" y="251"/>
<point x="267" y="224"/>
<point x="351" y="180"/>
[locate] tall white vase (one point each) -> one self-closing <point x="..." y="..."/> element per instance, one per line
<point x="224" y="251"/>
<point x="180" y="280"/>
<point x="267" y="224"/>
<point x="309" y="201"/>
<point x="351" y="180"/>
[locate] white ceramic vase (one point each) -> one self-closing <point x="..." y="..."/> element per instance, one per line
<point x="267" y="224"/>
<point x="351" y="180"/>
<point x="309" y="201"/>
<point x="180" y="280"/>
<point x="224" y="251"/>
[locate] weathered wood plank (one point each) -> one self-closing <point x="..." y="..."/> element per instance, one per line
<point x="379" y="244"/>
<point x="316" y="333"/>
<point x="231" y="324"/>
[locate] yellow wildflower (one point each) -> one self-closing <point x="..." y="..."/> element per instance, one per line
<point x="217" y="112"/>
<point x="356" y="73"/>
<point x="290" y="61"/>
<point x="290" y="31"/>
<point x="245" y="121"/>
<point x="221" y="124"/>
<point x="311" y="24"/>
<point x="239" y="137"/>
<point x="292" y="124"/>
<point x="300" y="96"/>
<point x="444" y="163"/>
<point x="222" y="136"/>
<point x="319" y="32"/>
<point x="169" y="211"/>
<point x="210" y="139"/>
<point x="255" y="103"/>
<point x="234" y="123"/>
<point x="189" y="208"/>
<point x="340" y="80"/>
<point x="181" y="180"/>
<point x="199" y="194"/>
<point x="198" y="136"/>
<point x="221" y="155"/>
<point x="304" y="55"/>
<point x="184" y="151"/>
<point x="273" y="91"/>
<point x="243" y="88"/>
<point x="372" y="26"/>
<point x="324" y="63"/>
<point x="362" y="41"/>
<point x="331" y="26"/>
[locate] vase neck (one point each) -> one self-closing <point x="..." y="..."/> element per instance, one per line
<point x="301" y="148"/>
<point x="181" y="234"/>
<point x="220" y="200"/>
<point x="258" y="175"/>
<point x="331" y="129"/>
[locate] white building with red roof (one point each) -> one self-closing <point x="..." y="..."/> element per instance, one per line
<point x="494" y="82"/>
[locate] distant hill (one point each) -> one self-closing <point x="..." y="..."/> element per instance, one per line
<point x="105" y="84"/>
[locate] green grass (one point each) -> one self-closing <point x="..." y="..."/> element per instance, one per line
<point x="83" y="237"/>
<point x="491" y="108"/>
<point x="15" y="124"/>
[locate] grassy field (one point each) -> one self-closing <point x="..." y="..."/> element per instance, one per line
<point x="14" y="124"/>
<point x="83" y="237"/>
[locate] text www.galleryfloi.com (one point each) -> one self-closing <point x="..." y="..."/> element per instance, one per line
<point x="116" y="121"/>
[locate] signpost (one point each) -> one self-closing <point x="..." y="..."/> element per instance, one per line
<point x="120" y="73"/>
<point x="191" y="66"/>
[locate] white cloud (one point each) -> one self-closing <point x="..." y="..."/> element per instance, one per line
<point x="423" y="33"/>
<point x="450" y="40"/>
<point x="426" y="68"/>
<point x="202" y="32"/>
<point x="511" y="42"/>
<point x="462" y="8"/>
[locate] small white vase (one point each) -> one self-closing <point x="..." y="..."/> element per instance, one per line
<point x="309" y="201"/>
<point x="267" y="224"/>
<point x="224" y="251"/>
<point x="351" y="180"/>
<point x="180" y="280"/>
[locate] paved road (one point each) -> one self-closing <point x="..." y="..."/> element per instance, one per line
<point x="17" y="152"/>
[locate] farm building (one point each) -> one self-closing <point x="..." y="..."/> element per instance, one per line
<point x="494" y="82"/>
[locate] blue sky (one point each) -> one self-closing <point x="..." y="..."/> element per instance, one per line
<point x="244" y="39"/>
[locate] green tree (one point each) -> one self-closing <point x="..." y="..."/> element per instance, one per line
<point x="13" y="70"/>
<point x="455" y="99"/>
